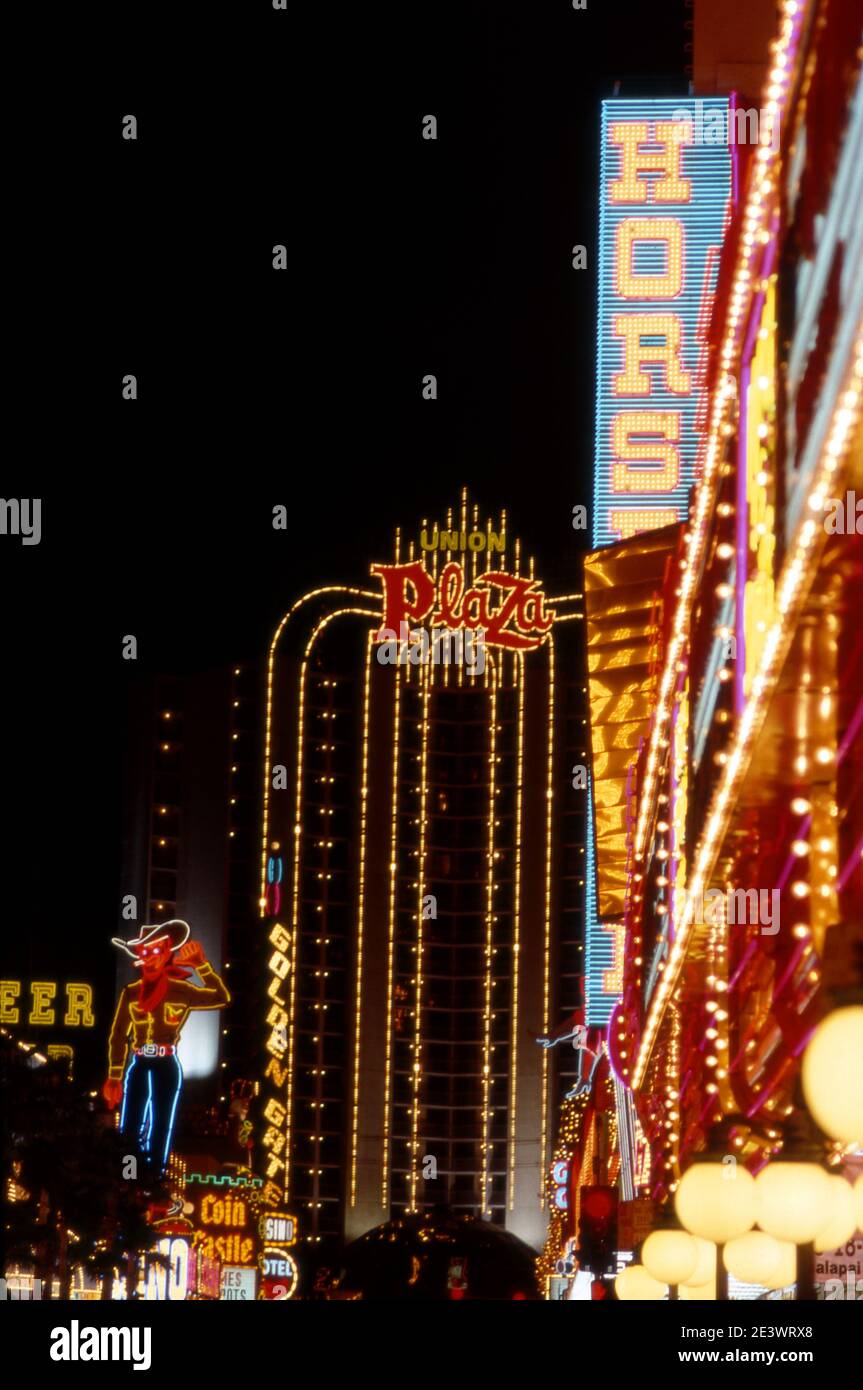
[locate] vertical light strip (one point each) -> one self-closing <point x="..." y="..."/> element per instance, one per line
<point x="485" y="1147"/>
<point x="421" y="867"/>
<point x="448" y="530"/>
<point x="295" y="896"/>
<point x="622" y="1099"/>
<point x="546" y="966"/>
<point x="758" y="226"/>
<point x="464" y="562"/>
<point x="361" y="887"/>
<point x="391" y="938"/>
<point x="801" y="563"/>
<point x="271" y="662"/>
<point x="516" y="933"/>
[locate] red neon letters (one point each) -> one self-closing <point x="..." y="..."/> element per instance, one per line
<point x="519" y="622"/>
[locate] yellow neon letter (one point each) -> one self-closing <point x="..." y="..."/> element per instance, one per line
<point x="657" y="229"/>
<point x="626" y="524"/>
<point x="9" y="992"/>
<point x="629" y="448"/>
<point x="629" y="187"/>
<point x="633" y="380"/>
<point x="43" y="993"/>
<point x="79" y="1006"/>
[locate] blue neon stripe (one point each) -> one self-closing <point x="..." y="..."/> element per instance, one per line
<point x="170" y="1132"/>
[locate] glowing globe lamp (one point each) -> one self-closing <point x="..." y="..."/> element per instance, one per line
<point x="716" y="1200"/>
<point x="793" y="1200"/>
<point x="785" y="1272"/>
<point x="842" y="1222"/>
<point x="670" y="1256"/>
<point x="752" y="1258"/>
<point x="705" y="1266"/>
<point x="833" y="1074"/>
<point x="635" y="1285"/>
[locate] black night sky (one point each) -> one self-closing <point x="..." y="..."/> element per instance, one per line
<point x="406" y="257"/>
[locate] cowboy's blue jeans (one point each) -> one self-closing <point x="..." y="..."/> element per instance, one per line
<point x="151" y="1090"/>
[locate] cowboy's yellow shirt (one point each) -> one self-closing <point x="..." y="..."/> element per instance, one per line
<point x="163" y="1026"/>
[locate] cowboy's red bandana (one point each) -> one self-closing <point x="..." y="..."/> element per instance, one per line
<point x="158" y="1016"/>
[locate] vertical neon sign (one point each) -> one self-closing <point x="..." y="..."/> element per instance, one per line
<point x="664" y="200"/>
<point x="665" y="188"/>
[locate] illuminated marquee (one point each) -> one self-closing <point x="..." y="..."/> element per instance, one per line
<point x="663" y="206"/>
<point x="224" y="1222"/>
<point x="278" y="1228"/>
<point x="46" y="1009"/>
<point x="757" y="558"/>
<point x="274" y="1091"/>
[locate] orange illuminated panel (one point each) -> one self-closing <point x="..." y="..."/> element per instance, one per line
<point x="630" y="447"/>
<point x="612" y="980"/>
<point x="633" y="329"/>
<point x="669" y="136"/>
<point x="668" y="232"/>
<point x="624" y="524"/>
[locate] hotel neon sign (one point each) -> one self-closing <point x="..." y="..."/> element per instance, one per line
<point x="509" y="609"/>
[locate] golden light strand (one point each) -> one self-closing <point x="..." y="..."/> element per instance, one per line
<point x="364" y="794"/>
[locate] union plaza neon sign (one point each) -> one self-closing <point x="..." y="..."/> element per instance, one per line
<point x="509" y="609"/>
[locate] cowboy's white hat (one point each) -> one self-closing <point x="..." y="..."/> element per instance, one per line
<point x="176" y="929"/>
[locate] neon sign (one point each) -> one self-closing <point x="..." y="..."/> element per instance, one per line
<point x="280" y="1274"/>
<point x="224" y="1224"/>
<point x="508" y="608"/>
<point x="758" y="561"/>
<point x="560" y="1178"/>
<point x="143" y="1066"/>
<point x="278" y="1228"/>
<point x="170" y="1281"/>
<point x="663" y="205"/>
<point x="274" y="1108"/>
<point x="77" y="1012"/>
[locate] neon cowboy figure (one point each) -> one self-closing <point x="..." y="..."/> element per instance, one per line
<point x="145" y="1032"/>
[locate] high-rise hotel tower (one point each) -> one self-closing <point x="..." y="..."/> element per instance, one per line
<point x="422" y="881"/>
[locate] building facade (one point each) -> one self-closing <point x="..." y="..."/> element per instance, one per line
<point x="422" y="876"/>
<point x="736" y="873"/>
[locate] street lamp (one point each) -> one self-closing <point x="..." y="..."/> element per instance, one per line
<point x="787" y="1270"/>
<point x="753" y="1258"/>
<point x="794" y="1200"/>
<point x="670" y="1256"/>
<point x="702" y="1283"/>
<point x="858" y="1201"/>
<point x="842" y="1221"/>
<point x="715" y="1199"/>
<point x="833" y="1074"/>
<point x="716" y="1195"/>
<point x="832" y="1071"/>
<point x="635" y="1285"/>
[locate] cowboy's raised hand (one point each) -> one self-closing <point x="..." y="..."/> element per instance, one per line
<point x="191" y="954"/>
<point x="112" y="1090"/>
